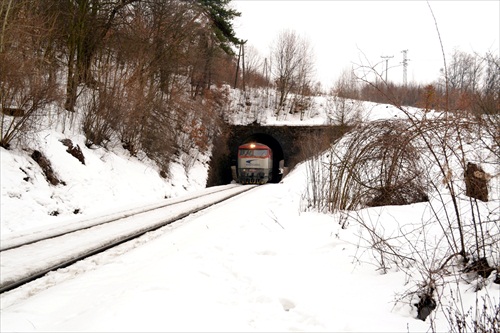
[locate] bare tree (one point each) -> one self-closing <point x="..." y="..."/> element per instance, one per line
<point x="5" y="11"/>
<point x="26" y="68"/>
<point x="83" y="28"/>
<point x="464" y="72"/>
<point x="126" y="67"/>
<point x="292" y="65"/>
<point x="486" y="104"/>
<point x="253" y="65"/>
<point x="343" y="106"/>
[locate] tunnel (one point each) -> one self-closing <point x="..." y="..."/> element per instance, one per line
<point x="291" y="144"/>
<point x="271" y="142"/>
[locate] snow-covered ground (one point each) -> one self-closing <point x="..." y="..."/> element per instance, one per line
<point x="254" y="263"/>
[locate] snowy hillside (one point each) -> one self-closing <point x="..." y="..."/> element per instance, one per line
<point x="111" y="178"/>
<point x="260" y="263"/>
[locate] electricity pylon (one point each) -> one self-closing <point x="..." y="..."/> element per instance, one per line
<point x="405" y="65"/>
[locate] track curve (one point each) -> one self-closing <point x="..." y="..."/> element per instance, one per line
<point x="33" y="237"/>
<point x="22" y="262"/>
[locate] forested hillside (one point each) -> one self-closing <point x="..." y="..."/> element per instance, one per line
<point x="138" y="69"/>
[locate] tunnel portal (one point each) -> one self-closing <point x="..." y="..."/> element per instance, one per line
<point x="290" y="144"/>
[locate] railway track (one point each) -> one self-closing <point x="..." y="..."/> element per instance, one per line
<point x="28" y="257"/>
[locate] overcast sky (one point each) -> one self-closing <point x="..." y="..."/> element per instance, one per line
<point x="360" y="32"/>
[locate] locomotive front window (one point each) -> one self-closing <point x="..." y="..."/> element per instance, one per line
<point x="260" y="152"/>
<point x="253" y="152"/>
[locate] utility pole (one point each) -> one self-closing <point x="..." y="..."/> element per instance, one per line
<point x="265" y="70"/>
<point x="267" y="82"/>
<point x="243" y="63"/>
<point x="386" y="65"/>
<point x="405" y="65"/>
<point x="237" y="68"/>
<point x="241" y="56"/>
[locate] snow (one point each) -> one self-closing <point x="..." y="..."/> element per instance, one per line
<point x="253" y="263"/>
<point x="29" y="260"/>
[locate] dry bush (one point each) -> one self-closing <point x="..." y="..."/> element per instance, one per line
<point x="132" y="123"/>
<point x="343" y="104"/>
<point x="343" y="111"/>
<point x="376" y="164"/>
<point x="158" y="128"/>
<point x="136" y="100"/>
<point x="198" y="122"/>
<point x="485" y="106"/>
<point x="98" y="114"/>
<point x="317" y="192"/>
<point x="399" y="162"/>
<point x="25" y="91"/>
<point x="431" y="263"/>
<point x="457" y="240"/>
<point x="483" y="318"/>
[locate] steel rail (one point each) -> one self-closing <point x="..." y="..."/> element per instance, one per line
<point x="43" y="234"/>
<point x="13" y="277"/>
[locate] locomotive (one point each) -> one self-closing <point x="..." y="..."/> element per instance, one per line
<point x="255" y="163"/>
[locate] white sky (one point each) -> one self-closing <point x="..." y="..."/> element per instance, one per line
<point x="342" y="31"/>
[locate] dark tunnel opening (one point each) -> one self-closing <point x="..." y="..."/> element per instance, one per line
<point x="272" y="143"/>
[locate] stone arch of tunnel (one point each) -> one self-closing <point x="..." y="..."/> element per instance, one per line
<point x="292" y="144"/>
<point x="272" y="143"/>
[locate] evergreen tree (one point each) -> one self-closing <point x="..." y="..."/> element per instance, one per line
<point x="221" y="17"/>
